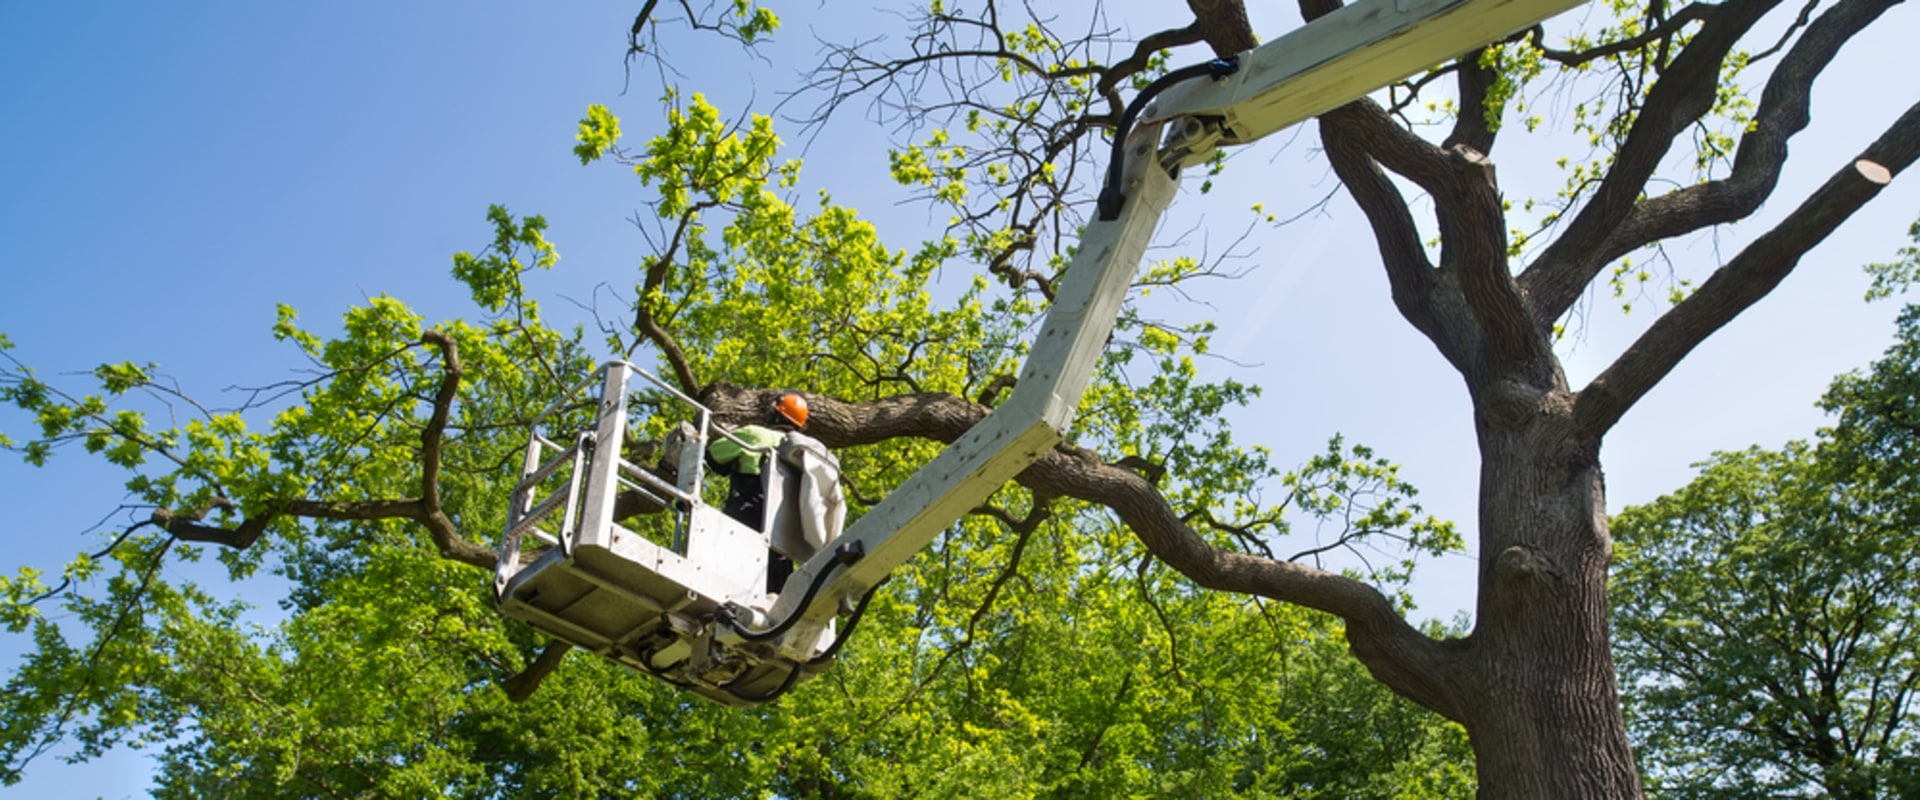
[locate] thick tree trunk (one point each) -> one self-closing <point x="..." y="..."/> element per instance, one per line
<point x="1543" y="706"/>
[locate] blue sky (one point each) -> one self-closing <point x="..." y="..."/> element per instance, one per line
<point x="170" y="172"/>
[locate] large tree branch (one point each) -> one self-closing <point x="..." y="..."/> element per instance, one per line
<point x="1223" y="23"/>
<point x="522" y="684"/>
<point x="1395" y="652"/>
<point x="1467" y="201"/>
<point x="931" y="415"/>
<point x="187" y="526"/>
<point x="445" y="536"/>
<point x="1472" y="81"/>
<point x="1685" y="92"/>
<point x="434" y="434"/>
<point x="1745" y="279"/>
<point x="1474" y="245"/>
<point x="1392" y="650"/>
<point x="1410" y="273"/>
<point x="1391" y="144"/>
<point x="1311" y="10"/>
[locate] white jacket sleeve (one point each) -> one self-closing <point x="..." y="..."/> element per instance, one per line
<point x="823" y="508"/>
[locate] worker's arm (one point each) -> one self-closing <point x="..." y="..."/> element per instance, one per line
<point x="742" y="451"/>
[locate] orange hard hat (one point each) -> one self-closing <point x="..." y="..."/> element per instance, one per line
<point x="792" y="406"/>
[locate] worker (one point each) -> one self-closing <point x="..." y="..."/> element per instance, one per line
<point x="745" y="462"/>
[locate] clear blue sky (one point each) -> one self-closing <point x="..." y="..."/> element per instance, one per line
<point x="170" y="172"/>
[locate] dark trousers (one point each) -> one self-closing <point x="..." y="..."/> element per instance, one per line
<point x="747" y="505"/>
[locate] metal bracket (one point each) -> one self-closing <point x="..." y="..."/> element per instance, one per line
<point x="1191" y="141"/>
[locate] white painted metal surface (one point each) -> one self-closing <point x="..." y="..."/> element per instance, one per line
<point x="606" y="587"/>
<point x="1343" y="56"/>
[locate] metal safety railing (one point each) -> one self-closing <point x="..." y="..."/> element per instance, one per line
<point x="525" y="514"/>
<point x="556" y="481"/>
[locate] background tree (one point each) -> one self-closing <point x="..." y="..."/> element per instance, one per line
<point x="378" y="445"/>
<point x="1769" y="612"/>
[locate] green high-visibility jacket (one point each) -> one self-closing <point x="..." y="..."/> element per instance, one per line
<point x="734" y="458"/>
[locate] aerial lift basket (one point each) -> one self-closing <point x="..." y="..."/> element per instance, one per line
<point x="643" y="591"/>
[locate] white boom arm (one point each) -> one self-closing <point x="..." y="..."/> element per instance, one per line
<point x="1336" y="59"/>
<point x="1023" y="428"/>
<point x="1342" y="57"/>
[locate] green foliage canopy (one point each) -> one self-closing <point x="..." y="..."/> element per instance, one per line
<point x="1035" y="650"/>
<point x="1769" y="611"/>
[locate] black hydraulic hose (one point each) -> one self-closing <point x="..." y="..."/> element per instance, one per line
<point x="1111" y="197"/>
<point x="846" y="554"/>
<point x="846" y="633"/>
<point x="793" y="675"/>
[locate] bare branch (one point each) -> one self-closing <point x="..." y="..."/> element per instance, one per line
<point x="1744" y="280"/>
<point x="1784" y="111"/>
<point x="1665" y="31"/>
<point x="104" y="552"/>
<point x="1028" y="110"/>
<point x="521" y="685"/>
<point x="1806" y="13"/>
<point x="1142" y="52"/>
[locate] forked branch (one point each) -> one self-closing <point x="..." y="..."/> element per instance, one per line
<point x="1745" y="279"/>
<point x="1784" y="110"/>
<point x="1685" y="92"/>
